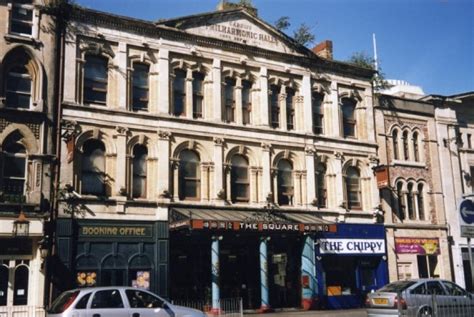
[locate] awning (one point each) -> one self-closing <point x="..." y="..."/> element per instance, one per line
<point x="245" y="220"/>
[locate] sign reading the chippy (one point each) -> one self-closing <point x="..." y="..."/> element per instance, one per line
<point x="421" y="246"/>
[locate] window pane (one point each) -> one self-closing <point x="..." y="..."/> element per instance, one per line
<point x="198" y="80"/>
<point x="179" y="91"/>
<point x="14" y="167"/>
<point x="421" y="202"/>
<point x="321" y="184"/>
<point x="290" y="109"/>
<point x="285" y="182"/>
<point x="20" y="295"/>
<point x="139" y="171"/>
<point x="107" y="299"/>
<point x="275" y="106"/>
<point x="21" y="20"/>
<point x="3" y="285"/>
<point x="353" y="188"/>
<point x="140" y="86"/>
<point x="239" y="179"/>
<point x="93" y="168"/>
<point x="95" y="79"/>
<point x="189" y="175"/>
<point x="348" y="113"/>
<point x="139" y="299"/>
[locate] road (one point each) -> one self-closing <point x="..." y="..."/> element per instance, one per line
<point x="317" y="313"/>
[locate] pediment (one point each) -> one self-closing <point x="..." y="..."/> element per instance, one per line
<point x="236" y="26"/>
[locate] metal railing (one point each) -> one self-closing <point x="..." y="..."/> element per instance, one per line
<point x="22" y="311"/>
<point x="228" y="307"/>
<point x="435" y="305"/>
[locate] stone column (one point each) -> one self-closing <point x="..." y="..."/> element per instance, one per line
<point x="219" y="167"/>
<point x="228" y="185"/>
<point x="310" y="175"/>
<point x="307" y="106"/>
<point x="163" y="177"/>
<point x="121" y="182"/>
<point x="415" y="202"/>
<point x="265" y="298"/>
<point x="266" y="171"/>
<point x="282" y="103"/>
<point x="238" y="101"/>
<point x="335" y="124"/>
<point x="175" y="168"/>
<point x="309" y="287"/>
<point x="121" y="77"/>
<point x="254" y="185"/>
<point x="216" y="90"/>
<point x="264" y="116"/>
<point x="339" y="181"/>
<point x="164" y="80"/>
<point x="189" y="94"/>
<point x="215" y="275"/>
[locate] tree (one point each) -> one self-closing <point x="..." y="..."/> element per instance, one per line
<point x="362" y="59"/>
<point x="302" y="35"/>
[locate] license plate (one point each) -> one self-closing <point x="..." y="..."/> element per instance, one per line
<point x="380" y="301"/>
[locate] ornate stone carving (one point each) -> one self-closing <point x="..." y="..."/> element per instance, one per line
<point x="70" y="129"/>
<point x="266" y="147"/>
<point x="164" y="135"/>
<point x="310" y="150"/>
<point x="218" y="141"/>
<point x="339" y="156"/>
<point x="121" y="130"/>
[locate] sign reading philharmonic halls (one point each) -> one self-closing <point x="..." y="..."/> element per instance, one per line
<point x="351" y="246"/>
<point x="241" y="31"/>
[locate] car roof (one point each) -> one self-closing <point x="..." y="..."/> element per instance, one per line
<point x="103" y="288"/>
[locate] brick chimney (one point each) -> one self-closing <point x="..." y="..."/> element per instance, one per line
<point x="324" y="49"/>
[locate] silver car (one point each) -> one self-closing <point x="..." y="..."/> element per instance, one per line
<point x="116" y="302"/>
<point x="420" y="297"/>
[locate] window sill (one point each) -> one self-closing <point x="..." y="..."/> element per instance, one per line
<point x="408" y="163"/>
<point x="22" y="39"/>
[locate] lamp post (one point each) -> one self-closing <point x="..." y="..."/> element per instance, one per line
<point x="21" y="226"/>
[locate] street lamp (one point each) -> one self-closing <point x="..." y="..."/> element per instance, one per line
<point x="21" y="226"/>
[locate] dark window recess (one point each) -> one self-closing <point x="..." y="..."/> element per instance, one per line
<point x="321" y="192"/>
<point x="290" y="109"/>
<point x="396" y="156"/>
<point x="95" y="80"/>
<point x="189" y="175"/>
<point x="140" y="88"/>
<point x="18" y="88"/>
<point x="14" y="168"/>
<point x="285" y="183"/>
<point x="239" y="179"/>
<point x="318" y="114"/>
<point x="246" y="101"/>
<point x="21" y="21"/>
<point x="198" y="94"/>
<point x="348" y="117"/>
<point x="20" y="285"/>
<point x="179" y="92"/>
<point x="140" y="155"/>
<point x="93" y="168"/>
<point x="353" y="188"/>
<point x="4" y="272"/>
<point x="274" y="106"/>
<point x="229" y="99"/>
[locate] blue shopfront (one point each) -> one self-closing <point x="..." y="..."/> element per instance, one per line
<point x="350" y="263"/>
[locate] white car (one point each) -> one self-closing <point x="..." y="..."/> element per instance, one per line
<point x="116" y="302"/>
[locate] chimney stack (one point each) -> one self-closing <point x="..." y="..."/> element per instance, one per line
<point x="324" y="49"/>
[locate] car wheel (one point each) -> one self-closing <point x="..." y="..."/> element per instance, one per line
<point x="425" y="312"/>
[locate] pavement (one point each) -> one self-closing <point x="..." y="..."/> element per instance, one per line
<point x="320" y="313"/>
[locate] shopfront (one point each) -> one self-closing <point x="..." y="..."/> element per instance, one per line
<point x="417" y="257"/>
<point x="265" y="258"/>
<point x="350" y="263"/>
<point x="119" y="253"/>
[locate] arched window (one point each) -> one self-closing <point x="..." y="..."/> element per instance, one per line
<point x="14" y="167"/>
<point x="290" y="109"/>
<point x="18" y="88"/>
<point x="321" y="193"/>
<point x="401" y="207"/>
<point x="93" y="168"/>
<point x="139" y="167"/>
<point x="421" y="202"/>
<point x="239" y="175"/>
<point x="189" y="175"/>
<point x="246" y="101"/>
<point x="411" y="202"/>
<point x="353" y="188"/>
<point x="274" y="106"/>
<point x="198" y="94"/>
<point x="113" y="271"/>
<point x="87" y="270"/>
<point x="285" y="182"/>
<point x="406" y="152"/>
<point x="95" y="79"/>
<point x="348" y="117"/>
<point x="140" y="86"/>
<point x="318" y="114"/>
<point x="395" y="144"/>
<point x="416" y="150"/>
<point x="4" y="277"/>
<point x="140" y="272"/>
<point x="229" y="99"/>
<point x="179" y="92"/>
<point x="20" y="292"/>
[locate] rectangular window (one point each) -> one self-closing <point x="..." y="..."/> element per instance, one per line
<point x="246" y="101"/>
<point x="404" y="271"/>
<point x="198" y="94"/>
<point x="229" y="95"/>
<point x="427" y="266"/>
<point x="95" y="80"/>
<point x="290" y="109"/>
<point x="21" y="21"/>
<point x="469" y="141"/>
<point x="316" y="103"/>
<point x="140" y="87"/>
<point x="18" y="88"/>
<point x="275" y="106"/>
<point x="179" y="93"/>
<point x="472" y="178"/>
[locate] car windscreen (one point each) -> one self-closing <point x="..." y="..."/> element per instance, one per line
<point x="63" y="302"/>
<point x="396" y="287"/>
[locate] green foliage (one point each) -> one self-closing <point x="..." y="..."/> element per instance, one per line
<point x="282" y="23"/>
<point x="362" y="59"/>
<point x="303" y="35"/>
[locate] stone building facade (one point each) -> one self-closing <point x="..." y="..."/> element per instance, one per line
<point x="196" y="145"/>
<point x="454" y="124"/>
<point x="27" y="97"/>
<point x="411" y="188"/>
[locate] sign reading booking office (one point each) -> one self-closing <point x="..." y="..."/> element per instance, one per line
<point x="351" y="246"/>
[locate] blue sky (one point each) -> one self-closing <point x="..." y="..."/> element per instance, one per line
<point x="429" y="43"/>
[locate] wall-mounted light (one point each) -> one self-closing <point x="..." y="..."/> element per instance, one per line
<point x="21" y="226"/>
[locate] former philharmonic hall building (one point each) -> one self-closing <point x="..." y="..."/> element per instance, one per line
<point x="211" y="156"/>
